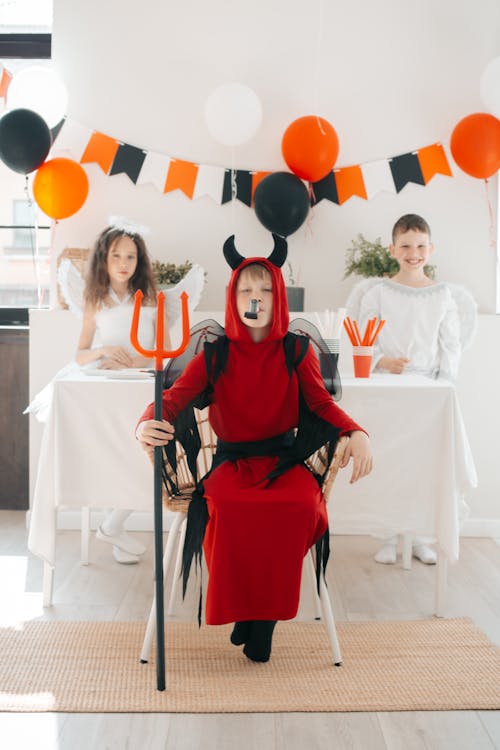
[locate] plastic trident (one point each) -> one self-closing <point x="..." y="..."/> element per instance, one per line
<point x="159" y="355"/>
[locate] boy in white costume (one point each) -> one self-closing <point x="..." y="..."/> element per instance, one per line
<point x="422" y="333"/>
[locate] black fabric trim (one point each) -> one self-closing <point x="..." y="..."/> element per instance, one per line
<point x="312" y="433"/>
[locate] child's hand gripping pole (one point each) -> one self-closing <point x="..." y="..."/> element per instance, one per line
<point x="159" y="354"/>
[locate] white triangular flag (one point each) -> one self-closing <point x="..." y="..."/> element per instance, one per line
<point x="210" y="181"/>
<point x="154" y="169"/>
<point x="377" y="176"/>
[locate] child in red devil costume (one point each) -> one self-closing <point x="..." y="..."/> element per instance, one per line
<point x="264" y="509"/>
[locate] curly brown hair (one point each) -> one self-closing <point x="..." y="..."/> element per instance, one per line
<point x="97" y="279"/>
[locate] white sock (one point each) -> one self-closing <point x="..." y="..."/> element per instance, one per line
<point x="114" y="521"/>
<point x="388" y="552"/>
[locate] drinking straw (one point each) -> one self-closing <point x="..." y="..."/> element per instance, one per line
<point x="379" y="328"/>
<point x="358" y="335"/>
<point x="350" y="331"/>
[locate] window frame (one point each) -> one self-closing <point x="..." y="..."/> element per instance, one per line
<point x="22" y="46"/>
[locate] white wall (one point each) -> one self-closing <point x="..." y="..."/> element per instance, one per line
<point x="394" y="75"/>
<point x="391" y="76"/>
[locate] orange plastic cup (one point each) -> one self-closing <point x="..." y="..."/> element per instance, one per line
<point x="362" y="358"/>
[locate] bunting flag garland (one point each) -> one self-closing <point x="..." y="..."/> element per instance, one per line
<point x="325" y="189"/>
<point x="349" y="182"/>
<point x="405" y="169"/>
<point x="181" y="176"/>
<point x="154" y="169"/>
<point x="433" y="161"/>
<point x="101" y="149"/>
<point x="222" y="184"/>
<point x="210" y="182"/>
<point x="243" y="180"/>
<point x="377" y="177"/>
<point x="128" y="160"/>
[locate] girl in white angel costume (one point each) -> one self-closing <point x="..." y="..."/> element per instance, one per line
<point x="428" y="325"/>
<point x="119" y="265"/>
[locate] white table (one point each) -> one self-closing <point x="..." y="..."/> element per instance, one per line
<point x="423" y="465"/>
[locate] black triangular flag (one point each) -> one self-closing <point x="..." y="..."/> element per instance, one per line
<point x="243" y="186"/>
<point x="325" y="188"/>
<point x="227" y="192"/>
<point x="406" y="168"/>
<point x="128" y="159"/>
<point x="57" y="129"/>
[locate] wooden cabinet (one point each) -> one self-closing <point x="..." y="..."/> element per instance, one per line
<point x="14" y="425"/>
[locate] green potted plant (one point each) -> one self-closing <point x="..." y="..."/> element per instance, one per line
<point x="366" y="258"/>
<point x="169" y="274"/>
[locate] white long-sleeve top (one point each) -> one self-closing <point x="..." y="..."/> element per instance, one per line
<point x="422" y="324"/>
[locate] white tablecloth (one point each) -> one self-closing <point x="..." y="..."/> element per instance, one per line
<point x="423" y="465"/>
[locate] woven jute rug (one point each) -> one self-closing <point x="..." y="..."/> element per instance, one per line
<point x="387" y="666"/>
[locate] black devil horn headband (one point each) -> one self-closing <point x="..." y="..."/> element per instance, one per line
<point x="277" y="257"/>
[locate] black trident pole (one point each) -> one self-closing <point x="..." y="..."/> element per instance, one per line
<point x="159" y="354"/>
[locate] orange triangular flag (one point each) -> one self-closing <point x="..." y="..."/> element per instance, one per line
<point x="100" y="149"/>
<point x="256" y="178"/>
<point x="181" y="175"/>
<point x="349" y="181"/>
<point x="433" y="161"/>
<point x="4" y="82"/>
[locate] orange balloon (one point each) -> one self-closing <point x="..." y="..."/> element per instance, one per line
<point x="310" y="147"/>
<point x="475" y="144"/>
<point x="60" y="187"/>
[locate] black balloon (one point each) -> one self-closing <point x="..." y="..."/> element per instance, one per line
<point x="25" y="140"/>
<point x="281" y="202"/>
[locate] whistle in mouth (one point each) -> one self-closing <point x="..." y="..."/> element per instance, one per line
<point x="253" y="309"/>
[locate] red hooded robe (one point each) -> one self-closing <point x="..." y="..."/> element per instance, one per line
<point x="258" y="532"/>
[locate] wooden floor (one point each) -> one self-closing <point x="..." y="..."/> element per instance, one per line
<point x="361" y="590"/>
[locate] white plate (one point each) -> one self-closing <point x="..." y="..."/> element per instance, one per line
<point x="125" y="374"/>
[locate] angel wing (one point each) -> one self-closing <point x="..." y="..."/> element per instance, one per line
<point x="72" y="285"/>
<point x="357" y="293"/>
<point x="192" y="283"/>
<point x="467" y="313"/>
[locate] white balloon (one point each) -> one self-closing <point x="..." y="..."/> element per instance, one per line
<point x="490" y="86"/>
<point x="40" y="90"/>
<point x="233" y="113"/>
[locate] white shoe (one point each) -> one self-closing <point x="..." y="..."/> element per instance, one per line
<point x="424" y="553"/>
<point x="124" y="557"/>
<point x="122" y="540"/>
<point x="386" y="554"/>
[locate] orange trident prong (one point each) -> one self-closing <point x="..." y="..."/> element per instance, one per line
<point x="159" y="353"/>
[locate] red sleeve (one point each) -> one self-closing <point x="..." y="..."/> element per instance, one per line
<point x="190" y="384"/>
<point x="317" y="397"/>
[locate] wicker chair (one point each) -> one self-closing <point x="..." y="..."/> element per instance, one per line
<point x="318" y="462"/>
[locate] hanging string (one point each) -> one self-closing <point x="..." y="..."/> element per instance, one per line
<point x="317" y="64"/>
<point x="234" y="189"/>
<point x="493" y="243"/>
<point x="52" y="240"/>
<point x="34" y="240"/>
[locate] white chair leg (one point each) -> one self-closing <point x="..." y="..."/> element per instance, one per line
<point x="312" y="574"/>
<point x="177" y="569"/>
<point x="329" y="621"/>
<point x="48" y="584"/>
<point x="85" y="535"/>
<point x="167" y="557"/>
<point x="441" y="581"/>
<point x="407" y="550"/>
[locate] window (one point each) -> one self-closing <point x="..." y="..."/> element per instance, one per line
<point x="25" y="232"/>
